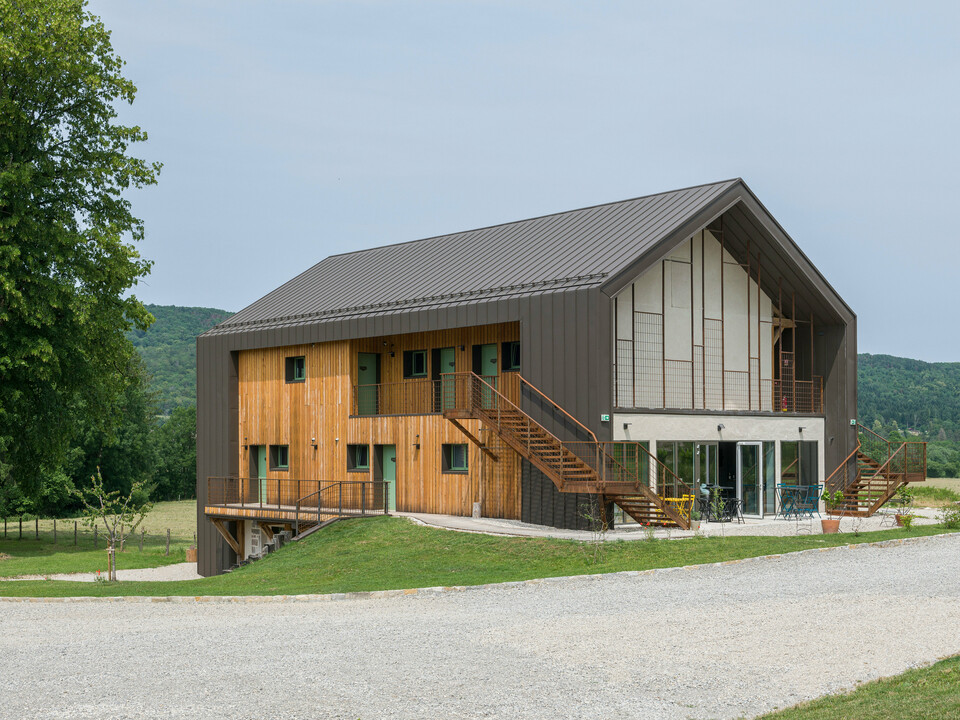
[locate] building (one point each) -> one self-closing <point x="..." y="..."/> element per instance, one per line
<point x="607" y="361"/>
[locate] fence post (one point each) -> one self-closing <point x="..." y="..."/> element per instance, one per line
<point x="74" y="533"/>
<point x="142" y="533"/>
<point x="168" y="541"/>
<point x="36" y="528"/>
<point x="54" y="531"/>
<point x="4" y="527"/>
<point x="94" y="537"/>
<point x="340" y="500"/>
<point x="20" y="537"/>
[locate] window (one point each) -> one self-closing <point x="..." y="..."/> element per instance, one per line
<point x="414" y="363"/>
<point x="279" y="457"/>
<point x="358" y="458"/>
<point x="296" y="369"/>
<point x="511" y="356"/>
<point x="454" y="458"/>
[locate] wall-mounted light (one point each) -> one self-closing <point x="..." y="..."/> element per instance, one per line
<point x="801" y="429"/>
<point x="313" y="441"/>
<point x="626" y="425"/>
<point x="720" y="427"/>
<point x="462" y="348"/>
<point x="416" y="442"/>
<point x="336" y="440"/>
<point x="392" y="353"/>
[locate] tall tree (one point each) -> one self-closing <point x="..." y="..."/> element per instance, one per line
<point x="67" y="258"/>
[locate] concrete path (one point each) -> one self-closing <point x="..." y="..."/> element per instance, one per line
<point x="632" y="531"/>
<point x="723" y="641"/>
<point x="177" y="571"/>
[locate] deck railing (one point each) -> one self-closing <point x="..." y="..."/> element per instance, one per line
<point x="293" y="500"/>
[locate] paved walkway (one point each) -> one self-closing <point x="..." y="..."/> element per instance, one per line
<point x="632" y="531"/>
<point x="177" y="571"/>
<point x="722" y="641"/>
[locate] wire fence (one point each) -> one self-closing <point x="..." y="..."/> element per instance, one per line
<point x="77" y="534"/>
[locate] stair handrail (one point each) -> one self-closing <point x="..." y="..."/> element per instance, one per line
<point x="885" y="468"/>
<point x="600" y="451"/>
<point x="557" y="406"/>
<point x="827" y="484"/>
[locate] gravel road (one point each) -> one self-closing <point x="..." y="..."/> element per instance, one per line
<point x="718" y="642"/>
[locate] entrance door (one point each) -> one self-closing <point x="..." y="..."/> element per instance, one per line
<point x="258" y="471"/>
<point x="445" y="363"/>
<point x="385" y="468"/>
<point x="486" y="366"/>
<point x="368" y="377"/>
<point x="750" y="477"/>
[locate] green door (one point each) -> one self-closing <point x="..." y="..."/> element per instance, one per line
<point x="262" y="471"/>
<point x="448" y="385"/>
<point x="390" y="476"/>
<point x="368" y="376"/>
<point x="488" y="370"/>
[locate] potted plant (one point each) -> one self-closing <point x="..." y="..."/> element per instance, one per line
<point x="694" y="519"/>
<point x="904" y="501"/>
<point x="831" y="525"/>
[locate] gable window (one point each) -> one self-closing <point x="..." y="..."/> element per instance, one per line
<point x="279" y="457"/>
<point x="454" y="458"/>
<point x="511" y="356"/>
<point x="358" y="458"/>
<point x="296" y="369"/>
<point x="414" y="363"/>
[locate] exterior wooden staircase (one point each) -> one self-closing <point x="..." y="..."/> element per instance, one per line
<point x="873" y="473"/>
<point x="617" y="472"/>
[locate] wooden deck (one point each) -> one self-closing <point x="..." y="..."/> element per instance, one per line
<point x="284" y="513"/>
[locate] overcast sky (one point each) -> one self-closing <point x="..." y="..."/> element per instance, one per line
<point x="293" y="130"/>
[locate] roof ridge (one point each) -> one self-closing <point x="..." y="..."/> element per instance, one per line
<point x="531" y="219"/>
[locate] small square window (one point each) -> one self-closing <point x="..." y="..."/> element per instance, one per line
<point x="279" y="457"/>
<point x="454" y="458"/>
<point x="358" y="457"/>
<point x="511" y="356"/>
<point x="296" y="369"/>
<point x="414" y="363"/>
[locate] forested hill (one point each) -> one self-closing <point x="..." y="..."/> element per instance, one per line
<point x="919" y="396"/>
<point x="170" y="352"/>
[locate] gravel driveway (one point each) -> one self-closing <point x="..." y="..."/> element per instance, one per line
<point x="715" y="642"/>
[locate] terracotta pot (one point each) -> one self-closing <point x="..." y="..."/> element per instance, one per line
<point x="830" y="526"/>
<point x="899" y="518"/>
<point x="191" y="554"/>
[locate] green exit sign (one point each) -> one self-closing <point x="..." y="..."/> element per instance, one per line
<point x="604" y="418"/>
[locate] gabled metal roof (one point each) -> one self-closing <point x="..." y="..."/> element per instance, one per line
<point x="578" y="248"/>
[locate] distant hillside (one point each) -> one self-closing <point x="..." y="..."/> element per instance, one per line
<point x="917" y="395"/>
<point x="169" y="350"/>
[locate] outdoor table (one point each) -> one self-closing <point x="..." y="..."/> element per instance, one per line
<point x="789" y="497"/>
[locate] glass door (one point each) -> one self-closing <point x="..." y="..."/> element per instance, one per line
<point x="750" y="477"/>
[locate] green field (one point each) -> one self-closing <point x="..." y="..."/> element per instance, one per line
<point x="931" y="693"/>
<point x="392" y="553"/>
<point x="32" y="550"/>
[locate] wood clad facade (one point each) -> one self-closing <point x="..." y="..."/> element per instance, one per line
<point x="317" y="419"/>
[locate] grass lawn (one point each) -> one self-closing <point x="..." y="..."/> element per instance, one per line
<point x="392" y="553"/>
<point x="932" y="693"/>
<point x="32" y="556"/>
<point x="936" y="492"/>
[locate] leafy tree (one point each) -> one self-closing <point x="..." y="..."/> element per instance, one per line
<point x="124" y="453"/>
<point x="67" y="261"/>
<point x="175" y="449"/>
